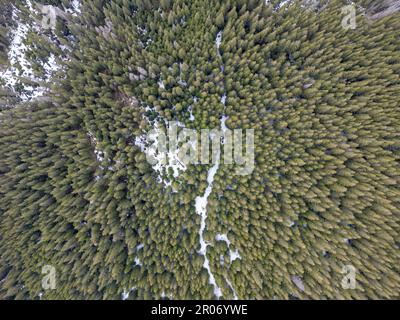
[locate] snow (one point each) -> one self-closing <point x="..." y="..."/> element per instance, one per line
<point x="142" y="31"/>
<point x="282" y="3"/>
<point x="20" y="67"/>
<point x="190" y="109"/>
<point x="180" y="81"/>
<point x="201" y="209"/>
<point x="291" y="223"/>
<point x="191" y="116"/>
<point x="137" y="261"/>
<point x="29" y="4"/>
<point x="51" y="66"/>
<point x="223" y="237"/>
<point x="161" y="84"/>
<point x="76" y="4"/>
<point x="16" y="56"/>
<point x="223" y="125"/>
<point x="298" y="282"/>
<point x="75" y="8"/>
<point x="161" y="160"/>
<point x="235" y="297"/>
<point x="233" y="255"/>
<point x="99" y="153"/>
<point x="202" y="201"/>
<point x="223" y="99"/>
<point x="218" y="40"/>
<point x="125" y="293"/>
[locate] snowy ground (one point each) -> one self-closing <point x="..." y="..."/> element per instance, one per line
<point x="19" y="65"/>
<point x="163" y="159"/>
<point x="20" y="72"/>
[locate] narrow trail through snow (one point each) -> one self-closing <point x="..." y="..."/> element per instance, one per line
<point x="201" y="202"/>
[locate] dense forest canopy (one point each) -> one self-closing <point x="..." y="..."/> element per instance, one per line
<point x="78" y="194"/>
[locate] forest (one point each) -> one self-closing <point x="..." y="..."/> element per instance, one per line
<point x="77" y="192"/>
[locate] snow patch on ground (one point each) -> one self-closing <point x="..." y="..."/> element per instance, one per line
<point x="163" y="161"/>
<point x="19" y="65"/>
<point x="191" y="116"/>
<point x="222" y="237"/>
<point x="138" y="262"/>
<point x="99" y="153"/>
<point x="223" y="100"/>
<point x="290" y="223"/>
<point x="125" y="293"/>
<point x="190" y="109"/>
<point x="298" y="282"/>
<point x="235" y="297"/>
<point x="233" y="254"/>
<point x="218" y="41"/>
<point x="156" y="145"/>
<point x="161" y="84"/>
<point x="51" y="66"/>
<point x="282" y="3"/>
<point x="180" y="81"/>
<point x="75" y="8"/>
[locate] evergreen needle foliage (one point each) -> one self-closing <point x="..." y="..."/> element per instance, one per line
<point x="324" y="103"/>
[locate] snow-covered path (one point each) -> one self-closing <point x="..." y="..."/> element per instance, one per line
<point x="201" y="201"/>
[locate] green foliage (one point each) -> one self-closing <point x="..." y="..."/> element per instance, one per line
<point x="324" y="105"/>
